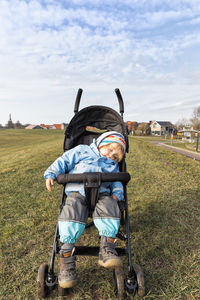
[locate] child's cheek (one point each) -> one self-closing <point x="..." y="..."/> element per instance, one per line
<point x="104" y="151"/>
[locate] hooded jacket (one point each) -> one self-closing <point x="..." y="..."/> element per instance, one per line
<point x="82" y="159"/>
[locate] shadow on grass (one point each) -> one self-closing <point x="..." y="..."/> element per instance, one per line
<point x="166" y="242"/>
<point x="93" y="282"/>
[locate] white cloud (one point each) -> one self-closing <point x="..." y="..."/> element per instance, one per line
<point x="48" y="51"/>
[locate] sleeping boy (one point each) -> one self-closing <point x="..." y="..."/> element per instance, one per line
<point x="102" y="155"/>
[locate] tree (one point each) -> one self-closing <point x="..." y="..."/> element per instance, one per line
<point x="132" y="126"/>
<point x="182" y="123"/>
<point x="143" y="129"/>
<point x="18" y="125"/>
<point x="195" y="120"/>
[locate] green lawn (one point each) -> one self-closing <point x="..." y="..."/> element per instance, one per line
<point x="164" y="206"/>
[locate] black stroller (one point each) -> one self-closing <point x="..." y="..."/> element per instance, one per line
<point x="86" y="125"/>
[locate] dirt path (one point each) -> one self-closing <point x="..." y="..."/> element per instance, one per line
<point x="190" y="154"/>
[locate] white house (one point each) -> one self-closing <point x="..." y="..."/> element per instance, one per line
<point x="161" y="127"/>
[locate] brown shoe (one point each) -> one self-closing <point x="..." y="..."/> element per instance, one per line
<point x="108" y="257"/>
<point x="67" y="270"/>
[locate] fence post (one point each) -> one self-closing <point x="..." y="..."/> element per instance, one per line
<point x="197" y="141"/>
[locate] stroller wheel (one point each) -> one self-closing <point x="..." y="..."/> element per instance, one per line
<point x="118" y="276"/>
<point x="140" y="280"/>
<point x="42" y="289"/>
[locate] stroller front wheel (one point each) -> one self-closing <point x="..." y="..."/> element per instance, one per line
<point x="118" y="276"/>
<point x="42" y="289"/>
<point x="140" y="280"/>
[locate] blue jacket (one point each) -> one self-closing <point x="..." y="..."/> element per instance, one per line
<point x="83" y="159"/>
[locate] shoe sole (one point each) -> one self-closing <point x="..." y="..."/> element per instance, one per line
<point x="67" y="284"/>
<point x="111" y="263"/>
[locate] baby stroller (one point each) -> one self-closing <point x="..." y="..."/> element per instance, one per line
<point x="86" y="125"/>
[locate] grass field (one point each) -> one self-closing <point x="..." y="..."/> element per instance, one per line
<point x="176" y="142"/>
<point x="164" y="207"/>
<point x="185" y="145"/>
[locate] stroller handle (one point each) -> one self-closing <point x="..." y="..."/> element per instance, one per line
<point x="93" y="177"/>
<point x="121" y="102"/>
<point x="78" y="98"/>
<point x="119" y="97"/>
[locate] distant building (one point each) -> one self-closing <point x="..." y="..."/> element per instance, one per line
<point x="18" y="125"/>
<point x="33" y="127"/>
<point x="188" y="134"/>
<point x="10" y="123"/>
<point x="161" y="127"/>
<point x="47" y="126"/>
<point x="61" y="126"/>
<point x="54" y="126"/>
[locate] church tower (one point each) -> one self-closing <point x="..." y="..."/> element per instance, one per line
<point x="10" y="123"/>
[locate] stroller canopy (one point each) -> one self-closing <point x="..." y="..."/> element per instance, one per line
<point x="90" y="122"/>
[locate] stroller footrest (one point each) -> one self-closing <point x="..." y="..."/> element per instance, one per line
<point x="94" y="251"/>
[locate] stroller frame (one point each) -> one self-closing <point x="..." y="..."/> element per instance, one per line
<point x="134" y="281"/>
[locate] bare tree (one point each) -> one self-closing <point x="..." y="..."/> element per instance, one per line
<point x="195" y="120"/>
<point x="182" y="123"/>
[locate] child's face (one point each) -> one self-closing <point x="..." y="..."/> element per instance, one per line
<point x="113" y="151"/>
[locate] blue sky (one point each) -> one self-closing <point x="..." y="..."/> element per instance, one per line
<point x="150" y="50"/>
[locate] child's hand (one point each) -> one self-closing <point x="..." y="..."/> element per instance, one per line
<point x="49" y="182"/>
<point x="115" y="198"/>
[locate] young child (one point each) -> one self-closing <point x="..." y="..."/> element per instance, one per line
<point x="102" y="155"/>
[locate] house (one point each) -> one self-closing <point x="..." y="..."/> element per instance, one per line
<point x="188" y="134"/>
<point x="60" y="126"/>
<point x="33" y="127"/>
<point x="161" y="127"/>
<point x="47" y="126"/>
<point x="54" y="126"/>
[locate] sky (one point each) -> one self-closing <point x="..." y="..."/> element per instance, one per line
<point x="150" y="50"/>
